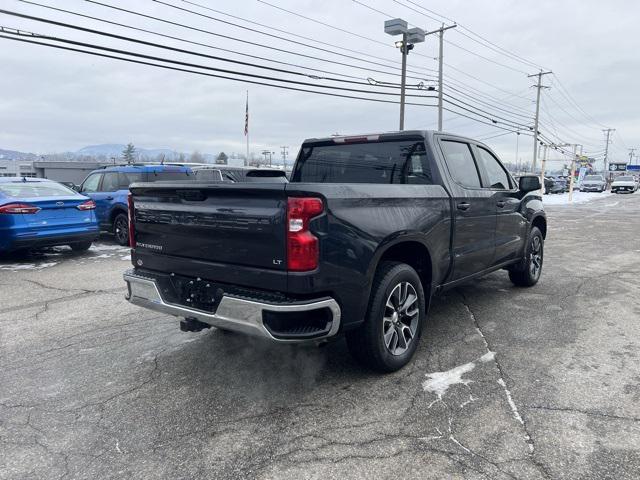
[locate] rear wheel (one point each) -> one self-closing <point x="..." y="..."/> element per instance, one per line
<point x="528" y="272"/>
<point x="390" y="334"/>
<point x="80" y="246"/>
<point x="121" y="229"/>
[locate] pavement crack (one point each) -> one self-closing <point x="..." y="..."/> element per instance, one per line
<point x="501" y="381"/>
<point x="583" y="412"/>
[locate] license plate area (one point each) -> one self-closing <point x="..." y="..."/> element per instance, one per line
<point x="194" y="293"/>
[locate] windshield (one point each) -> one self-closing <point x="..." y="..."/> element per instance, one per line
<point x="593" y="178"/>
<point x="35" y="189"/>
<point x="625" y="178"/>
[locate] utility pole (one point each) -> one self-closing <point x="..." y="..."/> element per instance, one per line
<point x="440" y="33"/>
<point x="573" y="171"/>
<point x="542" y="167"/>
<point x="284" y="156"/>
<point x="539" y="86"/>
<point x="632" y="151"/>
<point x="607" y="132"/>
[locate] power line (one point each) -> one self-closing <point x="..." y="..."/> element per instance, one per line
<point x="354" y="34"/>
<point x="388" y="15"/>
<point x="253" y="22"/>
<point x="483" y="113"/>
<point x="143" y="30"/>
<point x="247" y="42"/>
<point x="489" y="43"/>
<point x="15" y="33"/>
<point x="179" y="50"/>
<point x="296" y="42"/>
<point x="571" y="100"/>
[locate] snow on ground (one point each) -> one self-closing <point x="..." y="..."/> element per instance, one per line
<point x="439" y="382"/>
<point x="44" y="258"/>
<point x="26" y="266"/>
<point x="578" y="197"/>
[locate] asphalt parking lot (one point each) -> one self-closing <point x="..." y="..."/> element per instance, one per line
<point x="540" y="383"/>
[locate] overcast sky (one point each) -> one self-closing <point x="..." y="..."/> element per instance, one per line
<point x="52" y="100"/>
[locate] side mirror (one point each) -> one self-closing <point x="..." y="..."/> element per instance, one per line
<point x="529" y="183"/>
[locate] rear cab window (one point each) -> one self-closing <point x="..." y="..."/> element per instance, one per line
<point x="391" y="162"/>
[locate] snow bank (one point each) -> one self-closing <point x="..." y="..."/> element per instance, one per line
<point x="578" y="197"/>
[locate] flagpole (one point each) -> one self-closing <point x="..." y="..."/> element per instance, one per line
<point x="246" y="161"/>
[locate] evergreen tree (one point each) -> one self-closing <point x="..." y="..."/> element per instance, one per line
<point x="128" y="154"/>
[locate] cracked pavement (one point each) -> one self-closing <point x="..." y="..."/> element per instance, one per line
<point x="92" y="387"/>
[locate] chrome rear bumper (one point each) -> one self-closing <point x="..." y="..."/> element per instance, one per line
<point x="233" y="313"/>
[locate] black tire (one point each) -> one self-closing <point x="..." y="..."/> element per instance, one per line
<point x="80" y="246"/>
<point x="527" y="273"/>
<point x="369" y="343"/>
<point x="121" y="229"/>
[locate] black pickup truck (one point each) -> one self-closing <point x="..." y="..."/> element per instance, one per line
<point x="368" y="229"/>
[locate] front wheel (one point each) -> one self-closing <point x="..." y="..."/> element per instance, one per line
<point x="121" y="229"/>
<point x="397" y="309"/>
<point x="527" y="273"/>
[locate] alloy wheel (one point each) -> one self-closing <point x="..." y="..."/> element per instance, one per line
<point x="401" y="317"/>
<point x="535" y="257"/>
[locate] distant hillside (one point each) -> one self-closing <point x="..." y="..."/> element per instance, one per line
<point x="14" y="155"/>
<point x="107" y="151"/>
<point x="115" y="150"/>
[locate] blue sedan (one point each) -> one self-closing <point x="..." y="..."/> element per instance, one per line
<point x="36" y="213"/>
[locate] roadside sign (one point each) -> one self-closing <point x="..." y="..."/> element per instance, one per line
<point x="583" y="172"/>
<point x="617" y="167"/>
<point x="633" y="168"/>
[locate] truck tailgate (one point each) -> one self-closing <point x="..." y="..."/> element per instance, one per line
<point x="234" y="224"/>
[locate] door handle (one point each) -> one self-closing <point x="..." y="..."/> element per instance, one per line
<point x="501" y="204"/>
<point x="463" y="206"/>
<point x="109" y="198"/>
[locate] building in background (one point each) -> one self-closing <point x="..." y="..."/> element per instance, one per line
<point x="17" y="168"/>
<point x="66" y="171"/>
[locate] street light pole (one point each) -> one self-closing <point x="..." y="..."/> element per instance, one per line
<point x="403" y="79"/>
<point x="410" y="36"/>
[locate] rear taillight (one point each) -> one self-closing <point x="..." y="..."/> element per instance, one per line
<point x="88" y="205"/>
<point x="16" y="208"/>
<point x="302" y="245"/>
<point x="132" y="218"/>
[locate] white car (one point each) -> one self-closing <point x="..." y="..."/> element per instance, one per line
<point x="593" y="183"/>
<point x="624" y="183"/>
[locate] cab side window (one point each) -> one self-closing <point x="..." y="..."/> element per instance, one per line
<point x="110" y="182"/>
<point x="460" y="163"/>
<point x="92" y="183"/>
<point x="498" y="176"/>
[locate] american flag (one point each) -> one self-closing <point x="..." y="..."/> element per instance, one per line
<point x="246" y="117"/>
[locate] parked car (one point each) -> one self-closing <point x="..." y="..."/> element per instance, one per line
<point x="593" y="183"/>
<point x="624" y="184"/>
<point x="109" y="188"/>
<point x="357" y="243"/>
<point x="223" y="173"/>
<point x="548" y="185"/>
<point x="36" y="212"/>
<point x="559" y="185"/>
